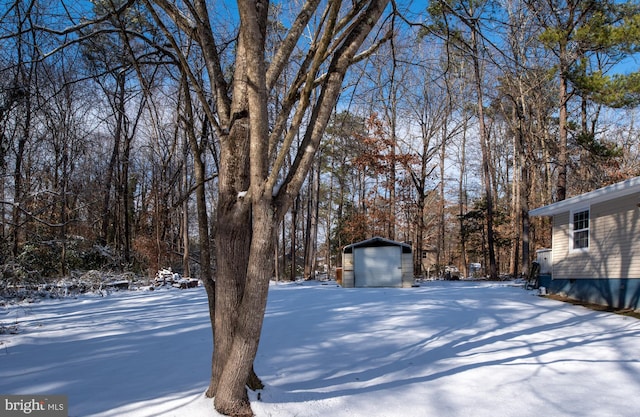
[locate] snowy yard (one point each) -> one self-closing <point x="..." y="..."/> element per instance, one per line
<point x="445" y="349"/>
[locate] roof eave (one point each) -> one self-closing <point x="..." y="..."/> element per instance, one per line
<point x="620" y="189"/>
<point x="377" y="238"/>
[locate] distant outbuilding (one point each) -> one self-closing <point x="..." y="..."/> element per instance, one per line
<point x="595" y="254"/>
<point x="377" y="262"/>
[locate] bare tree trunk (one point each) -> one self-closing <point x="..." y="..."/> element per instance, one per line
<point x="525" y="187"/>
<point x="294" y="233"/>
<point x="516" y="210"/>
<point x="312" y="224"/>
<point x="206" y="270"/>
<point x="23" y="81"/>
<point x="462" y="201"/>
<point x="393" y="120"/>
<point x="63" y="183"/>
<point x="484" y="146"/>
<point x="441" y="206"/>
<point x="276" y="260"/>
<point x="17" y="178"/>
<point x="186" y="269"/>
<point x="563" y="130"/>
<point x="308" y="252"/>
<point x="126" y="199"/>
<point x="391" y="230"/>
<point x="115" y="156"/>
<point x="420" y="212"/>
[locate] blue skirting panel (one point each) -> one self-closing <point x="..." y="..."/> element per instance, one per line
<point x="614" y="293"/>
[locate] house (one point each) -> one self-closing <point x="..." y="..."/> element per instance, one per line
<point x="595" y="254"/>
<point x="429" y="260"/>
<point x="377" y="262"/>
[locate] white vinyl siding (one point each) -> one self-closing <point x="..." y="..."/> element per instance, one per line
<point x="614" y="242"/>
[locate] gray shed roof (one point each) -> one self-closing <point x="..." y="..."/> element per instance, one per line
<point x="620" y="189"/>
<point x="377" y="241"/>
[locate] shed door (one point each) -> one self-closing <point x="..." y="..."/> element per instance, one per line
<point x="378" y="266"/>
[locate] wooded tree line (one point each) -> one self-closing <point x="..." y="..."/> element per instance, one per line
<point x="238" y="142"/>
<point x="472" y="111"/>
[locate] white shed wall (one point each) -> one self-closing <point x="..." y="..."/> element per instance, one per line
<point x="372" y="264"/>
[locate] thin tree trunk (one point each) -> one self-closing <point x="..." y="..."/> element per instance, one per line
<point x="17" y="178"/>
<point x="126" y="201"/>
<point x="484" y="146"/>
<point x="514" y="260"/>
<point x="391" y="230"/>
<point x="294" y="233"/>
<point x="442" y="259"/>
<point x="312" y="224"/>
<point x="420" y="211"/>
<point x="561" y="192"/>
<point x="113" y="162"/>
<point x="524" y="217"/>
<point x="276" y="259"/>
<point x="24" y="80"/>
<point x="462" y="201"/>
<point x="186" y="270"/>
<point x="206" y="275"/>
<point x="308" y="252"/>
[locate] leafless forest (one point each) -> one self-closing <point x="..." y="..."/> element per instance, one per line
<point x="454" y="119"/>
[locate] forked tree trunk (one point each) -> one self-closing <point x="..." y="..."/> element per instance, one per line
<point x="231" y="396"/>
<point x="246" y="226"/>
<point x="233" y="237"/>
<point x="250" y="208"/>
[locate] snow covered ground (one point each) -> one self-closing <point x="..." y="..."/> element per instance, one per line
<point x="445" y="349"/>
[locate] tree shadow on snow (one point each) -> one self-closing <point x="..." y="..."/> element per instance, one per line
<point x="394" y="338"/>
<point x="110" y="352"/>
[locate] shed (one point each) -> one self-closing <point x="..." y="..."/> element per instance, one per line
<point x="377" y="262"/>
<point x="595" y="248"/>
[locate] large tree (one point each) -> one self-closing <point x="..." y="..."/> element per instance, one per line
<point x="256" y="188"/>
<point x="586" y="38"/>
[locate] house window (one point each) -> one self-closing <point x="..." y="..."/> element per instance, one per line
<point x="580" y="230"/>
